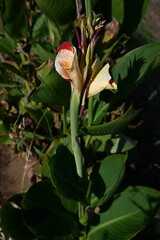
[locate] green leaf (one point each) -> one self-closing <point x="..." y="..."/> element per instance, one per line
<point x="128" y="214"/>
<point x="53" y="90"/>
<point x="64" y="174"/>
<point x="110" y="144"/>
<point x="106" y="178"/>
<point x="116" y="126"/>
<point x="11" y="67"/>
<point x="43" y="117"/>
<point x="40" y="54"/>
<point x="14" y="18"/>
<point x="133" y="13"/>
<point x="48" y="214"/>
<point x="12" y="222"/>
<point x="7" y="44"/>
<point x="59" y="11"/>
<point x="39" y="29"/>
<point x="128" y="13"/>
<point x="133" y="68"/>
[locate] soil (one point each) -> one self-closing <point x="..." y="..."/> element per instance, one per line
<point x="12" y="166"/>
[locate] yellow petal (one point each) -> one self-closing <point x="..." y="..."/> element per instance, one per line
<point x="101" y="82"/>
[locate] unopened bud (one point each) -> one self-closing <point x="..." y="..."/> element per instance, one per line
<point x="111" y="30"/>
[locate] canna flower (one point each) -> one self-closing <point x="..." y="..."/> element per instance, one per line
<point x="66" y="64"/>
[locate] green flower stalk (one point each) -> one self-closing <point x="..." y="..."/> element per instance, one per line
<point x="66" y="64"/>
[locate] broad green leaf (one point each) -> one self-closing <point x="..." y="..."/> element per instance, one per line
<point x="128" y="12"/>
<point x="114" y="127"/>
<point x="133" y="13"/>
<point x="48" y="214"/>
<point x="99" y="110"/>
<point x="12" y="222"/>
<point x="106" y="178"/>
<point x="59" y="11"/>
<point x="39" y="29"/>
<point x="14" y="18"/>
<point x="44" y="70"/>
<point x="7" y="44"/>
<point x="129" y="213"/>
<point x="110" y="144"/>
<point x="133" y="68"/>
<point x="40" y="54"/>
<point x="64" y="174"/>
<point x="53" y="90"/>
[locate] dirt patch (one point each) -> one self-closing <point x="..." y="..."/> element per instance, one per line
<point x="12" y="169"/>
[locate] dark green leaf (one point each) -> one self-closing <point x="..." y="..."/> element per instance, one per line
<point x="39" y="29"/>
<point x="11" y="67"/>
<point x="64" y="174"/>
<point x="106" y="178"/>
<point x="40" y="53"/>
<point x="12" y="222"/>
<point x="133" y="13"/>
<point x="7" y="44"/>
<point x="54" y="90"/>
<point x="129" y="213"/>
<point x="13" y="16"/>
<point x="111" y="144"/>
<point x="133" y="68"/>
<point x="129" y="13"/>
<point x="59" y="11"/>
<point x="43" y="118"/>
<point x="48" y="214"/>
<point x="116" y="126"/>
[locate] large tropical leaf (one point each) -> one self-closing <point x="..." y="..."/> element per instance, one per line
<point x="128" y="214"/>
<point x="48" y="214"/>
<point x="53" y="90"/>
<point x="64" y="175"/>
<point x="133" y="13"/>
<point x="109" y="144"/>
<point x="12" y="222"/>
<point x="129" y="13"/>
<point x="134" y="67"/>
<point x="59" y="11"/>
<point x="13" y="16"/>
<point x="106" y="179"/>
<point x="7" y="44"/>
<point x="114" y="127"/>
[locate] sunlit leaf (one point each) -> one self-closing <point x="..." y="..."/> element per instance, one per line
<point x="116" y="126"/>
<point x="106" y="178"/>
<point x="128" y="214"/>
<point x="134" y="67"/>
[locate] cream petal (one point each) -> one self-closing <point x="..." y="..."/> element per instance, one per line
<point x="66" y="64"/>
<point x="100" y="82"/>
<point x="63" y="62"/>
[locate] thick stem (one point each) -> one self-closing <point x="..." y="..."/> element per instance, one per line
<point x="64" y="120"/>
<point x="88" y="6"/>
<point x="74" y="115"/>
